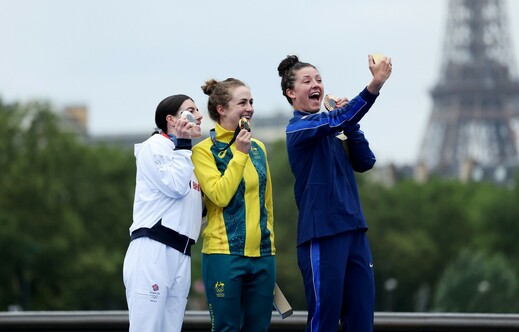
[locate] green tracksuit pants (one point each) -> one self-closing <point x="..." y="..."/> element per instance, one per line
<point x="239" y="291"/>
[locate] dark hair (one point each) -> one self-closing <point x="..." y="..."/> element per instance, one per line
<point x="287" y="69"/>
<point x="169" y="105"/>
<point x="220" y="93"/>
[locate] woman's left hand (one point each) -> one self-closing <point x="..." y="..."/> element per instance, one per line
<point x="340" y="102"/>
<point x="243" y="141"/>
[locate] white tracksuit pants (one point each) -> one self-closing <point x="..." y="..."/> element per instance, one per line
<point x="157" y="280"/>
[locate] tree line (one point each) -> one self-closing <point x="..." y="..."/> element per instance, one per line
<point x="66" y="206"/>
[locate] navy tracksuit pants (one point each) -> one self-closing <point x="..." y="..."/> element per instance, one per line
<point x="339" y="282"/>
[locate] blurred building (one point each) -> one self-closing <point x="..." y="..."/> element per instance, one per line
<point x="75" y="119"/>
<point x="267" y="129"/>
<point x="473" y="130"/>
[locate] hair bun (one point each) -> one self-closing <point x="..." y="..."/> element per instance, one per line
<point x="286" y="64"/>
<point x="209" y="86"/>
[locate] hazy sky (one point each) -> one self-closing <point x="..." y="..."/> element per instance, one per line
<point x="121" y="57"/>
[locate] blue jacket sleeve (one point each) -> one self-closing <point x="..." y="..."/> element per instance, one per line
<point x="307" y="128"/>
<point x="361" y="157"/>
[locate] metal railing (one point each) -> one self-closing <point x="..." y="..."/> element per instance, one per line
<point x="72" y="321"/>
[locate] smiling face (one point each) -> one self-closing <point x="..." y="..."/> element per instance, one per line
<point x="239" y="106"/>
<point x="190" y="106"/>
<point x="307" y="93"/>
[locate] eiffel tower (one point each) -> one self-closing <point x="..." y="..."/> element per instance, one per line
<point x="473" y="130"/>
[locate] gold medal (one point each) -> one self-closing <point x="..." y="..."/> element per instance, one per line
<point x="244" y="124"/>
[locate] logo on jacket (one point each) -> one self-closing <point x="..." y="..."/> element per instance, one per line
<point x="219" y="288"/>
<point x="154" y="293"/>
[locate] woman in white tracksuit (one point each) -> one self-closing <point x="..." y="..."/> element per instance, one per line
<point x="167" y="215"/>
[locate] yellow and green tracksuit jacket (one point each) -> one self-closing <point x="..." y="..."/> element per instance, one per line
<point x="238" y="197"/>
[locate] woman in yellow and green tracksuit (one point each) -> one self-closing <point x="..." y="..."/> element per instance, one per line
<point x="238" y="262"/>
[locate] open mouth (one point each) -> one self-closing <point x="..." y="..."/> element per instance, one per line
<point x="315" y="96"/>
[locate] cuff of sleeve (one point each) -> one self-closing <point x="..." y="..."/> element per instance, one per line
<point x="353" y="129"/>
<point x="368" y="96"/>
<point x="183" y="144"/>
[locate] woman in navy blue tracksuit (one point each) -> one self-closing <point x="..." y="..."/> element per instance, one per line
<point x="332" y="247"/>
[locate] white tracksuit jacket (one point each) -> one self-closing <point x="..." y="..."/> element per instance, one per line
<point x="166" y="188"/>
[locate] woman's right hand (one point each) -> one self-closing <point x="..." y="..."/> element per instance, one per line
<point x="183" y="128"/>
<point x="243" y="141"/>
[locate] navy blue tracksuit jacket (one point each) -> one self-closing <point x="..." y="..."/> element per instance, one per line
<point x="320" y="165"/>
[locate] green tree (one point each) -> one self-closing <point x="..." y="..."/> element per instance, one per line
<point x="415" y="229"/>
<point x="477" y="283"/>
<point x="497" y="218"/>
<point x="63" y="204"/>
